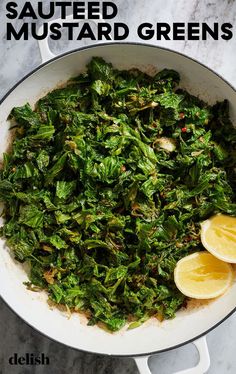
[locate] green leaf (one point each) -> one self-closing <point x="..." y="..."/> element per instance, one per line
<point x="115" y="273"/>
<point x="45" y="132"/>
<point x="25" y="116"/>
<point x="56" y="168"/>
<point x="98" y="69"/>
<point x="22" y="249"/>
<point x="42" y="160"/>
<point x="57" y="293"/>
<point x="57" y="242"/>
<point x="101" y="88"/>
<point x="169" y="100"/>
<point x="25" y="171"/>
<point x="65" y="189"/>
<point x="31" y="216"/>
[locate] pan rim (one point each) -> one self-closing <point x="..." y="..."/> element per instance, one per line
<point x="130" y="355"/>
<point x="5" y="97"/>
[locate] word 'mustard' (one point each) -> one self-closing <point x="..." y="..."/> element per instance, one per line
<point x="120" y="31"/>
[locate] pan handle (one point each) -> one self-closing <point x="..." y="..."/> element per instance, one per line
<point x="201" y="368"/>
<point x="46" y="53"/>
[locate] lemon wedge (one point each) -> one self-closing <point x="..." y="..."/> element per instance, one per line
<point x="218" y="236"/>
<point x="202" y="276"/>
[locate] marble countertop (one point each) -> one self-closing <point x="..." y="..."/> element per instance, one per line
<point x="17" y="58"/>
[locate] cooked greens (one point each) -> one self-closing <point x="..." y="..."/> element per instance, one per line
<point x="105" y="187"/>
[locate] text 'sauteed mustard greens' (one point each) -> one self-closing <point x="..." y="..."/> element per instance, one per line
<point x="105" y="187"/>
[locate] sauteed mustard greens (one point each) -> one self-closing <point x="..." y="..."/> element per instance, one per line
<point x="105" y="187"/>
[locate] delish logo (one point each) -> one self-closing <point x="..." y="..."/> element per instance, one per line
<point x="29" y="359"/>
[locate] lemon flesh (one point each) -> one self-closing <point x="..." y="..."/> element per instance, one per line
<point x="202" y="276"/>
<point x="218" y="236"/>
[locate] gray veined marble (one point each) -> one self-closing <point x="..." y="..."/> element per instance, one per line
<point x="17" y="58"/>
